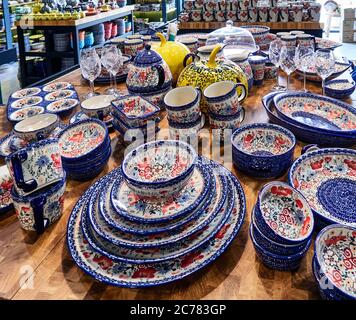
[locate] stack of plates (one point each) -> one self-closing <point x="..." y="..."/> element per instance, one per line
<point x="123" y="239"/>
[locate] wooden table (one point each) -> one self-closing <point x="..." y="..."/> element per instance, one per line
<point x="33" y="267"/>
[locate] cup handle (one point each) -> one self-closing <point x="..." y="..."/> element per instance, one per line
<point x="243" y="114"/>
<point x="243" y="94"/>
<point x="309" y="148"/>
<point x="189" y="55"/>
<point x="101" y="115"/>
<point x="161" y="76"/>
<point x="37" y="205"/>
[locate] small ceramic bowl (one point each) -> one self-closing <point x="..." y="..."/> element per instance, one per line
<point x="283" y="214"/>
<point x="25" y="93"/>
<point x="339" y="88"/>
<point x="263" y="150"/>
<point x="160" y="168"/>
<point x="26" y="112"/>
<point x="59" y="95"/>
<point x="62" y="107"/>
<point x="37" y="127"/>
<point x="98" y="106"/>
<point x="55" y="86"/>
<point x="26" y="102"/>
<point x="275" y="261"/>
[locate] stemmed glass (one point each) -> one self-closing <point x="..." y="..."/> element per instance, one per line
<point x="274" y="52"/>
<point x="111" y="58"/>
<point x="90" y="66"/>
<point x="304" y="58"/>
<point x="287" y="62"/>
<point x="324" y="64"/>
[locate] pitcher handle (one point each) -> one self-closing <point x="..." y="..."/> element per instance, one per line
<point x="37" y="205"/>
<point x="161" y="76"/>
<point x="243" y="94"/>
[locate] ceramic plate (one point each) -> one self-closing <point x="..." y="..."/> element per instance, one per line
<point x="326" y="43"/>
<point x="135" y="208"/>
<point x="56" y="86"/>
<point x="62" y="105"/>
<point x="5" y="145"/>
<point x="340" y="68"/>
<point x="24" y="113"/>
<point x="24" y="93"/>
<point x="108" y="271"/>
<point x="315" y="111"/>
<point x="149" y="241"/>
<point x="26" y="102"/>
<point x="327" y="179"/>
<point x="335" y="253"/>
<point x="59" y="95"/>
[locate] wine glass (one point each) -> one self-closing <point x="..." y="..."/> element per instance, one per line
<point x="274" y="52"/>
<point x="111" y="58"/>
<point x="90" y="66"/>
<point x="324" y="64"/>
<point x="287" y="62"/>
<point x="304" y="59"/>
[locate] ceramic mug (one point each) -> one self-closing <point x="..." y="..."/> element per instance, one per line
<point x="183" y="104"/>
<point x="184" y="17"/>
<point x="244" y="4"/>
<point x="98" y="106"/>
<point x="188" y="5"/>
<point x="284" y="13"/>
<point x="231" y="15"/>
<point x="210" y="5"/>
<point x="195" y="15"/>
<point x="6" y="184"/>
<point x="208" y="16"/>
<point x="242" y="15"/>
<point x="38" y="211"/>
<point x="252" y="14"/>
<point x="263" y="14"/>
<point x="220" y="16"/>
<point x="222" y="5"/>
<point x="131" y="46"/>
<point x="296" y="13"/>
<point x="314" y="11"/>
<point x="35" y="166"/>
<point x="254" y="3"/>
<point x="199" y="4"/>
<point x="273" y="14"/>
<point x="222" y="97"/>
<point x="258" y="68"/>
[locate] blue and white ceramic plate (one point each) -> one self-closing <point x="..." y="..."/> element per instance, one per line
<point x="128" y="240"/>
<point x="327" y="179"/>
<point x="104" y="269"/>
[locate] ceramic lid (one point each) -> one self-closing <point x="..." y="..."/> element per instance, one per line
<point x="147" y="56"/>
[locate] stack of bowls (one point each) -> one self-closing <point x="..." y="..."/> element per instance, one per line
<point x="120" y="26"/>
<point x="334" y="262"/>
<point x="281" y="226"/>
<point x="61" y="42"/>
<point x="134" y="115"/>
<point x="339" y="88"/>
<point x="85" y="149"/>
<point x="98" y="32"/>
<point x="107" y="29"/>
<point x="89" y="39"/>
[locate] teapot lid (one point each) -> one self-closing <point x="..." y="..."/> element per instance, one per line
<point x="147" y="56"/>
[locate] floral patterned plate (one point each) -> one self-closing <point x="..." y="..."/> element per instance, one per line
<point x="55" y="86"/>
<point x="59" y="95"/>
<point x="315" y="111"/>
<point x="5" y="149"/>
<point x="26" y="112"/>
<point x="26" y="102"/>
<point x="335" y="252"/>
<point x="327" y="179"/>
<point x="24" y="93"/>
<point x="326" y="43"/>
<point x="166" y="238"/>
<point x="140" y="209"/>
<point x="124" y="274"/>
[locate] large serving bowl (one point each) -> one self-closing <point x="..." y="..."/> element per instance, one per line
<point x="339" y="88"/>
<point x="315" y="111"/>
<point x="283" y="214"/>
<point x="327" y="179"/>
<point x="334" y="255"/>
<point x="159" y="168"/>
<point x="263" y="150"/>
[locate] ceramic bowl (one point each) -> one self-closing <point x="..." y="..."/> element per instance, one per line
<point x="37" y="127"/>
<point x="6" y="184"/>
<point x="134" y="110"/>
<point x="275" y="261"/>
<point x="97" y="106"/>
<point x="25" y="93"/>
<point x="232" y="121"/>
<point x="26" y="102"/>
<point x="59" y="95"/>
<point x="334" y="252"/>
<point x="41" y="209"/>
<point x="55" y="86"/>
<point x="159" y="168"/>
<point x="26" y="112"/>
<point x="283" y="215"/>
<point x="339" y="88"/>
<point x="263" y="150"/>
<point x="275" y="247"/>
<point x="62" y="107"/>
<point x="184" y="130"/>
<point x="134" y="133"/>
<point x="259" y="33"/>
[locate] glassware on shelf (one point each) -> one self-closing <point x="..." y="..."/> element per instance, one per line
<point x="304" y="59"/>
<point x="324" y="64"/>
<point x="287" y="62"/>
<point x="274" y="53"/>
<point x="112" y="60"/>
<point x="90" y="66"/>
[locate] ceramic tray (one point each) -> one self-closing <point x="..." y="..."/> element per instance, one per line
<point x="106" y="270"/>
<point x="327" y="179"/>
<point x="306" y="134"/>
<point x="38" y="93"/>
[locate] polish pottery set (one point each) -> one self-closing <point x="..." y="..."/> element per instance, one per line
<point x="334" y="262"/>
<point x="39" y="184"/>
<point x="164" y="214"/>
<point x="85" y="149"/>
<point x="281" y="226"/>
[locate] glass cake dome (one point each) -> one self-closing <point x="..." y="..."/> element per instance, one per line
<point x="236" y="41"/>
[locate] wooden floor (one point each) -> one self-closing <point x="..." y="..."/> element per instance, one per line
<point x="34" y="267"/>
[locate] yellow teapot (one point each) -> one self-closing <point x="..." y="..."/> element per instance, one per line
<point x="203" y="73"/>
<point x="173" y="53"/>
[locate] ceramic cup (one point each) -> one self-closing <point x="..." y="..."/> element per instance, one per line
<point x="222" y="97"/>
<point x="208" y="16"/>
<point x="184" y="17"/>
<point x="296" y="13"/>
<point x="39" y="210"/>
<point x="306" y="40"/>
<point x="35" y="166"/>
<point x="98" y="106"/>
<point x="231" y="15"/>
<point x="252" y="14"/>
<point x="198" y="4"/>
<point x="254" y="3"/>
<point x="191" y="43"/>
<point x="36" y="128"/>
<point x="131" y="46"/>
<point x="220" y="15"/>
<point x="289" y="41"/>
<point x="233" y="5"/>
<point x="263" y="14"/>
<point x="273" y="14"/>
<point x="244" y="4"/>
<point x="284" y="13"/>
<point x="188" y="5"/>
<point x="222" y="5"/>
<point x="314" y="11"/>
<point x="258" y="68"/>
<point x="196" y="15"/>
<point x="242" y="15"/>
<point x="183" y="104"/>
<point x="210" y="5"/>
<point x="6" y="184"/>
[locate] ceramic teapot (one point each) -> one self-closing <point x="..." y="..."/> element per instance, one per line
<point x="148" y="73"/>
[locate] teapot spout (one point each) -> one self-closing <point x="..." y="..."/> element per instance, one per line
<point x="162" y="38"/>
<point x="212" y="63"/>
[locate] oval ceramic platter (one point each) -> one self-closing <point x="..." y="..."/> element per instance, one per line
<point x="311" y="75"/>
<point x="317" y="112"/>
<point x="125" y="274"/>
<point x="327" y="179"/>
<point x="39" y="98"/>
<point x="303" y="133"/>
